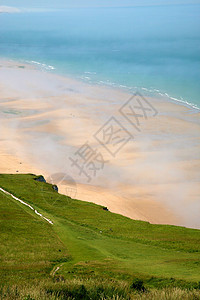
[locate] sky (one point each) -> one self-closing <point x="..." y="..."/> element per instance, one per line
<point x="90" y="3"/>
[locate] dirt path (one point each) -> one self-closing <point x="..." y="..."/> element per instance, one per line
<point x="24" y="203"/>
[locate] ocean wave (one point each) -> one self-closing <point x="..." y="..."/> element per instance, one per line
<point x="132" y="89"/>
<point x="91" y="73"/>
<point x="180" y="100"/>
<point x="151" y="91"/>
<point x="42" y="65"/>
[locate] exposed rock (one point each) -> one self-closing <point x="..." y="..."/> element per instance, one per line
<point x="40" y="178"/>
<point x="55" y="187"/>
<point x="105" y="208"/>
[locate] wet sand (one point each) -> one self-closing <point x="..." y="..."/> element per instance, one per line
<point x="46" y="118"/>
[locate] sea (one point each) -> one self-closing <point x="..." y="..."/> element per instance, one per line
<point x="150" y="49"/>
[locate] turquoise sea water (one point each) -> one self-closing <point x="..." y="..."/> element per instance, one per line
<point x="154" y="49"/>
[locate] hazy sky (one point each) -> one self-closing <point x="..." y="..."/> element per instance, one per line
<point x="89" y="3"/>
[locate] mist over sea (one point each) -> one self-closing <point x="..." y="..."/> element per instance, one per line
<point x="152" y="49"/>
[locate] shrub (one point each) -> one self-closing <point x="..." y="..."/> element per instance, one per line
<point x="138" y="285"/>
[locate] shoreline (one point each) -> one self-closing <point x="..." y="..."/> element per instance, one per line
<point x="112" y="85"/>
<point x="46" y="113"/>
<point x="151" y="93"/>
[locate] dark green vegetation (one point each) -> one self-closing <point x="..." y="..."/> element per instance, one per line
<point x="88" y="253"/>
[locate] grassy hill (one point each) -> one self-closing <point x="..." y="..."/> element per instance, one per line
<point x="88" y="252"/>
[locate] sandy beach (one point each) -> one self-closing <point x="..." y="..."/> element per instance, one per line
<point x="151" y="173"/>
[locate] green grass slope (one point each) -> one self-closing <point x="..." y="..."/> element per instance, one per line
<point x="88" y="243"/>
<point x="28" y="245"/>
